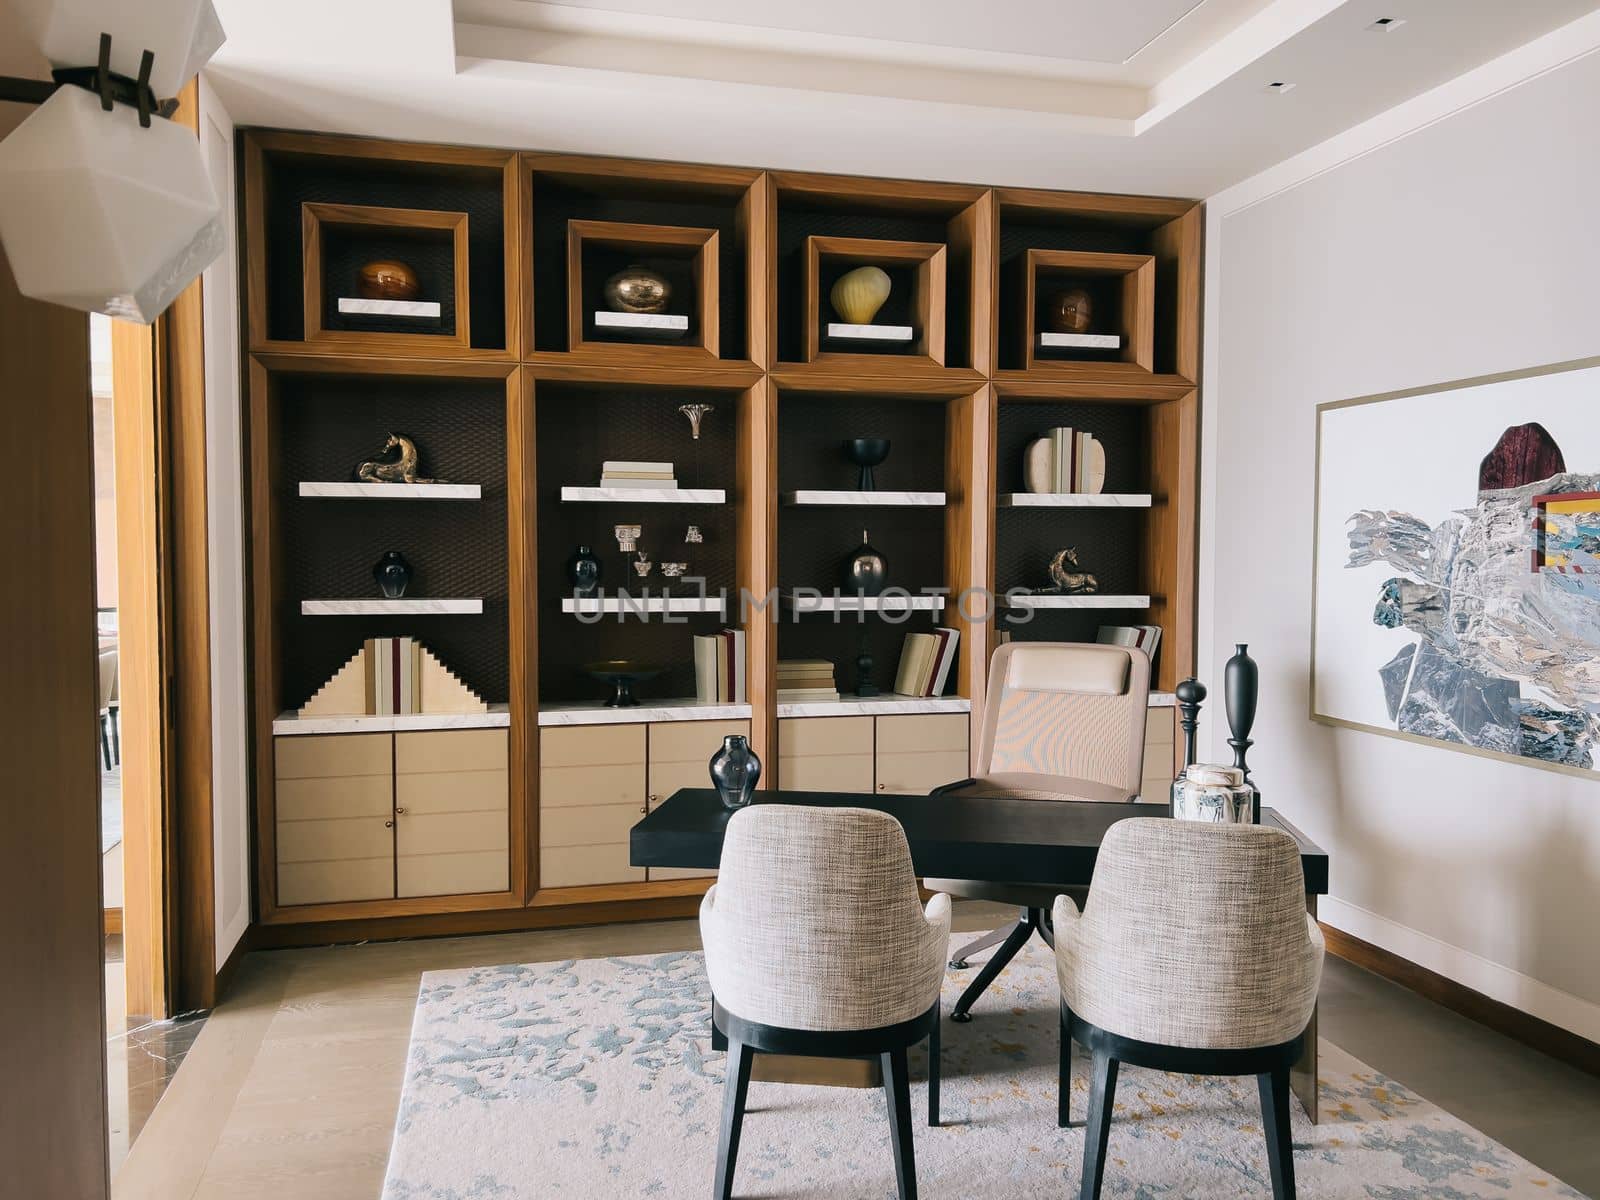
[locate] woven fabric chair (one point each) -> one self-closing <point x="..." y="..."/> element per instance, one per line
<point x="817" y="944"/>
<point x="1194" y="953"/>
<point x="1064" y="721"/>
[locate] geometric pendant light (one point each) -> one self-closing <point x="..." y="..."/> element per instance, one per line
<point x="105" y="206"/>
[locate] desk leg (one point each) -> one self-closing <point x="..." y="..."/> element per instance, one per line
<point x="1303" y="1075"/>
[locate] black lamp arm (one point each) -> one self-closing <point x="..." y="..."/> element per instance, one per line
<point x="101" y="80"/>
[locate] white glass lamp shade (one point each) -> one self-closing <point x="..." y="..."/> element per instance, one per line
<point x="101" y="215"/>
<point x="181" y="34"/>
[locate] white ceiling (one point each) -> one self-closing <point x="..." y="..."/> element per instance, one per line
<point x="995" y="93"/>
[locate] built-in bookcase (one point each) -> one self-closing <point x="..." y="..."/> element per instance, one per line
<point x="517" y="383"/>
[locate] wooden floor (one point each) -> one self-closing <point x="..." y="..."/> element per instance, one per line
<point x="291" y="1088"/>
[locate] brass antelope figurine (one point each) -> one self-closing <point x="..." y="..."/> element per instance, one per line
<point x="402" y="469"/>
<point x="1064" y="573"/>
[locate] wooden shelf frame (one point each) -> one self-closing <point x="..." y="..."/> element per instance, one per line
<point x="1134" y="276"/>
<point x="700" y="246"/>
<point x="926" y="261"/>
<point x="971" y="385"/>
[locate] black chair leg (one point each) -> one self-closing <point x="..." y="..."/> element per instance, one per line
<point x="1274" y="1088"/>
<point x="734" y="1092"/>
<point x="933" y="1069"/>
<point x="1014" y="942"/>
<point x="116" y="737"/>
<point x="105" y="742"/>
<point x="897" y="1091"/>
<point x="1064" y="1073"/>
<point x="1102" y="1095"/>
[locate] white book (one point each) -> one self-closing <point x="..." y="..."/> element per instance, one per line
<point x="406" y="681"/>
<point x="739" y="695"/>
<point x="1083" y="447"/>
<point x="947" y="658"/>
<point x="705" y="668"/>
<point x="659" y="468"/>
<point x="611" y="481"/>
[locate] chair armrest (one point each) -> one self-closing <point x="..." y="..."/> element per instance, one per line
<point x="708" y="903"/>
<point x="952" y="787"/>
<point x="1066" y="927"/>
<point x="937" y="913"/>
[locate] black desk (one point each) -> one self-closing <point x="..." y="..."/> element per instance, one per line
<point x="1003" y="841"/>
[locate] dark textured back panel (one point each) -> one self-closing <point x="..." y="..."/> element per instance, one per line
<point x="555" y="202"/>
<point x="344" y="251"/>
<point x="578" y="428"/>
<point x="293" y="182"/>
<point x="456" y="548"/>
<point x="1017" y="238"/>
<point x="797" y="222"/>
<point x="819" y="636"/>
<point x="1109" y="541"/>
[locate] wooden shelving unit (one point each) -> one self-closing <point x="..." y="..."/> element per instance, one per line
<point x="518" y="388"/>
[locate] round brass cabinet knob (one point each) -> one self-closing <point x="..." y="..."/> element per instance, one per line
<point x="883" y="787"/>
<point x="399" y="812"/>
<point x="388" y="824"/>
<point x="385" y="279"/>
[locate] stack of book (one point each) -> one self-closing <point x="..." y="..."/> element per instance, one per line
<point x="1144" y="637"/>
<point x="801" y="679"/>
<point x="719" y="667"/>
<point x="1074" y="457"/>
<point x="925" y="662"/>
<point x="637" y="475"/>
<point x="392" y="676"/>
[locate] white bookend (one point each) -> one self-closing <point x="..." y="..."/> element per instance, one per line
<point x="345" y="695"/>
<point x="441" y="692"/>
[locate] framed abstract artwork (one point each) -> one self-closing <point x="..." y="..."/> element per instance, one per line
<point x="1457" y="565"/>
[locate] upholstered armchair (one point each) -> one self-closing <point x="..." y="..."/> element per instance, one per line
<point x="1063" y="721"/>
<point x="1193" y="953"/>
<point x="816" y="943"/>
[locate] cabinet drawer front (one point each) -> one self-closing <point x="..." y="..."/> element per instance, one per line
<point x="579" y="865"/>
<point x="657" y="873"/>
<point x="450" y="750"/>
<point x="452" y="791"/>
<point x="590" y="826"/>
<point x="799" y="736"/>
<point x="916" y="733"/>
<point x="451" y="833"/>
<point x="1156" y="789"/>
<point x="919" y="774"/>
<point x="314" y="756"/>
<point x="586" y="787"/>
<point x="581" y="745"/>
<point x="332" y="882"/>
<point x="1159" y="727"/>
<point x="666" y="778"/>
<point x="1158" y="760"/>
<point x="322" y="841"/>
<point x="452" y="874"/>
<point x="323" y="799"/>
<point x="826" y="773"/>
<point x="691" y="741"/>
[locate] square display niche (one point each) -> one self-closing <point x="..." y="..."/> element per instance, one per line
<point x="341" y="238"/>
<point x="911" y="321"/>
<point x="1121" y="292"/>
<point x="687" y="258"/>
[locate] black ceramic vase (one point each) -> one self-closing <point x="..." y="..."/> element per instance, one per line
<point x="866" y="453"/>
<point x="735" y="771"/>
<point x="1241" y="686"/>
<point x="583" y="571"/>
<point x="866" y="571"/>
<point x="393" y="574"/>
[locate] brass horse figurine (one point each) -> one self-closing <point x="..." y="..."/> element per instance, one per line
<point x="1071" y="581"/>
<point x="401" y="469"/>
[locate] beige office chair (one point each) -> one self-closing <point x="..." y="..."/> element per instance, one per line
<point x="1064" y="721"/>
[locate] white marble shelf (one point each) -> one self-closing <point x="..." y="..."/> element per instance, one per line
<point x="885" y="705"/>
<point x="648" y="325"/>
<point x="592" y="713"/>
<point x="869" y="499"/>
<point x="1093" y="601"/>
<point x="1073" y="500"/>
<point x="636" y="605"/>
<point x="406" y="607"/>
<point x="631" y="495"/>
<point x="1079" y="341"/>
<point x="839" y="331"/>
<point x="393" y="491"/>
<point x="898" y="603"/>
<point x="419" y="310"/>
<point x="291" y="723"/>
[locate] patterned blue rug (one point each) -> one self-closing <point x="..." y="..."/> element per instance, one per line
<point x="595" y="1079"/>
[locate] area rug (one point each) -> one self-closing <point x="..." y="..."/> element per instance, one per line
<point x="595" y="1080"/>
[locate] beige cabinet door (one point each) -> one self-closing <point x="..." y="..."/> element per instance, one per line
<point x="917" y="752"/>
<point x="1160" y="734"/>
<point x="334" y="800"/>
<point x="680" y="757"/>
<point x="591" y="793"/>
<point x="825" y="754"/>
<point x="452" y="812"/>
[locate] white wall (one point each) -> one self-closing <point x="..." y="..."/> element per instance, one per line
<point x="1452" y="237"/>
<point x="230" y="730"/>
